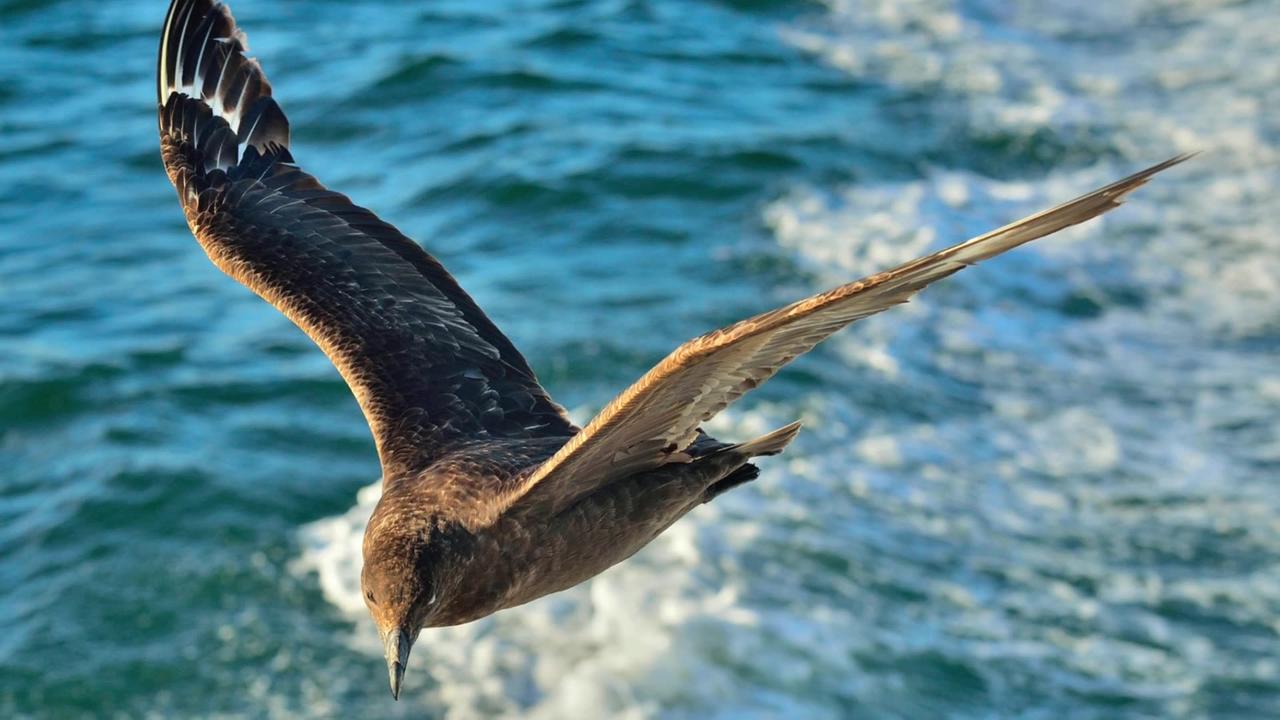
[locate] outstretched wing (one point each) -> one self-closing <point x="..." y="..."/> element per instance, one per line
<point x="657" y="417"/>
<point x="426" y="365"/>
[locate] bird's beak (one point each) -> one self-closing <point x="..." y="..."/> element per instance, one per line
<point x="396" y="646"/>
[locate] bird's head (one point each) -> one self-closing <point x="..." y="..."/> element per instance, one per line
<point x="398" y="587"/>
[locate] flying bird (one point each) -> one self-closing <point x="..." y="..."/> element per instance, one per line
<point x="492" y="497"/>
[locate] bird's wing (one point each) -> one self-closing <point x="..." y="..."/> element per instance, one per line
<point x="654" y="420"/>
<point x="426" y="365"/>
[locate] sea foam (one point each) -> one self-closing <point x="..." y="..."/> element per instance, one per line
<point x="1011" y="489"/>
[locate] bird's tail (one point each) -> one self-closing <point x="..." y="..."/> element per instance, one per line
<point x="768" y="444"/>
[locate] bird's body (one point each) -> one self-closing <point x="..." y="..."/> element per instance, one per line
<point x="492" y="497"/>
<point x="531" y="550"/>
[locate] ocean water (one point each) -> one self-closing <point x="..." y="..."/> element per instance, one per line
<point x="1046" y="489"/>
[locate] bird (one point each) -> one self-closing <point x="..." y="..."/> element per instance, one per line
<point x="492" y="496"/>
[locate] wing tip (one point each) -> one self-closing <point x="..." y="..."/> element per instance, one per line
<point x="1047" y="222"/>
<point x="204" y="65"/>
<point x="1121" y="188"/>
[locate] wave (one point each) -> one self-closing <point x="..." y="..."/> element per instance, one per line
<point x="1043" y="486"/>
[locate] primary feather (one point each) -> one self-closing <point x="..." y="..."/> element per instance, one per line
<point x="427" y="366"/>
<point x="652" y="421"/>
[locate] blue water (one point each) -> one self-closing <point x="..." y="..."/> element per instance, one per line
<point x="1046" y="489"/>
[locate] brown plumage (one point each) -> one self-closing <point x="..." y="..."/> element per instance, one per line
<point x="491" y="496"/>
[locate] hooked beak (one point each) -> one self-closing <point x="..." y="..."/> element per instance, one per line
<point x="396" y="646"/>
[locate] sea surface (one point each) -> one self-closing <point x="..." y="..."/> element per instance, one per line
<point x="1048" y="488"/>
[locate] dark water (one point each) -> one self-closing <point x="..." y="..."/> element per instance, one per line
<point x="1045" y="490"/>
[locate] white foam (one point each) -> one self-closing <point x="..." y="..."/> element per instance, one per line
<point x="1075" y="465"/>
<point x="641" y="636"/>
<point x="1023" y="530"/>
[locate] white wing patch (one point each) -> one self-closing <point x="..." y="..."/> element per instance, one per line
<point x="239" y="80"/>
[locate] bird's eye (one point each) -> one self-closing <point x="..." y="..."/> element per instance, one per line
<point x="369" y="596"/>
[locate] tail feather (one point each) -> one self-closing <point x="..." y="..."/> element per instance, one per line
<point x="744" y="474"/>
<point x="768" y="444"/>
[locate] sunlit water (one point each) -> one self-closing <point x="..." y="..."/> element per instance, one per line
<point x="1046" y="489"/>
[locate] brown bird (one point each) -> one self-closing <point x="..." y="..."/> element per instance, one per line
<point x="491" y="496"/>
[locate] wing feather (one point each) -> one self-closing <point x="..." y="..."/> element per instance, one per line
<point x="427" y="366"/>
<point x="650" y="422"/>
